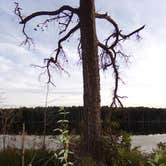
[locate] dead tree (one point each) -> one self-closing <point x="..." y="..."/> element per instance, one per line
<point x="92" y="52"/>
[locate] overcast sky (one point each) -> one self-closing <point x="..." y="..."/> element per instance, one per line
<point x="144" y="75"/>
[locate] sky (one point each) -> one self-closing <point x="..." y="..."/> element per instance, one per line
<point x="144" y="76"/>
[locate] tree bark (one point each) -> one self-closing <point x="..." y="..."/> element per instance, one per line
<point x="91" y="79"/>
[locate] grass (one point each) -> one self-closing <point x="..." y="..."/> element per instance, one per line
<point x="39" y="157"/>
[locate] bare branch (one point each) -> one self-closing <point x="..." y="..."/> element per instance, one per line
<point x="49" y="13"/>
<point x="64" y="17"/>
<point x="132" y="33"/>
<point x="67" y="23"/>
<point x="116" y="74"/>
<point x="60" y="48"/>
<point x="79" y="49"/>
<point x="28" y="40"/>
<point x="58" y="51"/>
<point x="17" y="11"/>
<point x="59" y="13"/>
<point x="106" y="52"/>
<point x="116" y="33"/>
<point x="109" y="53"/>
<point x="50" y="63"/>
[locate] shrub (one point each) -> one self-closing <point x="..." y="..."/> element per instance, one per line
<point x="115" y="150"/>
<point x="158" y="157"/>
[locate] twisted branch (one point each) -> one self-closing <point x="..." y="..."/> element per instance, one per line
<point x="49" y="13"/>
<point x="65" y="13"/>
<point x="109" y="49"/>
<point x="109" y="53"/>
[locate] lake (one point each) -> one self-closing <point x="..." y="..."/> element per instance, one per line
<point x="146" y="142"/>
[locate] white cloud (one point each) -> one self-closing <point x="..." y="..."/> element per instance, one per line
<point x="144" y="77"/>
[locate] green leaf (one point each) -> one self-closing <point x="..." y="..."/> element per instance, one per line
<point x="162" y="164"/>
<point x="61" y="152"/>
<point x="70" y="163"/>
<point x="60" y="130"/>
<point x="65" y="132"/>
<point x="55" y="155"/>
<point x="62" y="121"/>
<point x="64" y="113"/>
<point x="151" y="162"/>
<point x="61" y="158"/>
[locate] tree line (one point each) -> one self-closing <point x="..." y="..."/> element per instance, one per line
<point x="136" y="120"/>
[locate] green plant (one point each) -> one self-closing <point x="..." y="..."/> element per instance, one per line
<point x="115" y="150"/>
<point x="123" y="154"/>
<point x="33" y="157"/>
<point x="132" y="157"/>
<point x="159" y="156"/>
<point x="64" y="139"/>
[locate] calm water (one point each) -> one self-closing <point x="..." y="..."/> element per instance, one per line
<point x="146" y="142"/>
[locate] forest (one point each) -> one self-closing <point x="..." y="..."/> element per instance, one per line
<point x="135" y="120"/>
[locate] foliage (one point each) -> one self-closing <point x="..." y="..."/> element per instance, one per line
<point x="64" y="139"/>
<point x="40" y="157"/>
<point x="115" y="150"/>
<point x="158" y="157"/>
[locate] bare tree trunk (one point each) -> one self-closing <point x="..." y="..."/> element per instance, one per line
<point x="44" y="129"/>
<point x="91" y="80"/>
<point x="22" y="146"/>
<point x="4" y="135"/>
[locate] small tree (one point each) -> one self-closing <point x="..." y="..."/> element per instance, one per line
<point x="93" y="52"/>
<point x="6" y="117"/>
